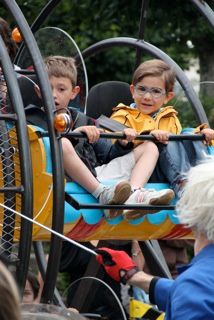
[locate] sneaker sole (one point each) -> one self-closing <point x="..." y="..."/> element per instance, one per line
<point x="165" y="199"/>
<point x="133" y="214"/>
<point x="121" y="194"/>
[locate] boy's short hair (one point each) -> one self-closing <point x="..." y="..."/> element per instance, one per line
<point x="155" y="68"/>
<point x="59" y="66"/>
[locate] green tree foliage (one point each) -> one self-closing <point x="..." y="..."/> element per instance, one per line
<point x="170" y="26"/>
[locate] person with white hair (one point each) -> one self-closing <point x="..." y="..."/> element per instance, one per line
<point x="190" y="296"/>
<point x="9" y="295"/>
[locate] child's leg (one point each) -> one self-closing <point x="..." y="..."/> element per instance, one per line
<point x="196" y="151"/>
<point x="135" y="166"/>
<point x="177" y="158"/>
<point x="146" y="157"/>
<point x="174" y="162"/>
<point x="78" y="171"/>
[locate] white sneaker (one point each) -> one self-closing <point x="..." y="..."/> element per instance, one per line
<point x="116" y="194"/>
<point x="149" y="197"/>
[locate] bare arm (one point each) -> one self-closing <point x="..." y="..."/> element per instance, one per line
<point x="92" y="132"/>
<point x="141" y="280"/>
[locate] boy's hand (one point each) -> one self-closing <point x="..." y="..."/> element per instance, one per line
<point x="118" y="265"/>
<point x="130" y="136"/>
<point x="92" y="132"/>
<point x="161" y="136"/>
<point x="209" y="135"/>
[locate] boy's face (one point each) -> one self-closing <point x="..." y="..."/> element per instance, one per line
<point x="63" y="91"/>
<point x="149" y="94"/>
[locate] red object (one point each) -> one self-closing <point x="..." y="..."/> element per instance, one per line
<point x="118" y="265"/>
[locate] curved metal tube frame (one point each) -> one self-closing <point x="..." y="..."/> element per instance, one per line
<point x="142" y="27"/>
<point x="181" y="77"/>
<point x="205" y="10"/>
<point x="58" y="175"/>
<point x="25" y="164"/>
<point x="42" y="264"/>
<point x="49" y="7"/>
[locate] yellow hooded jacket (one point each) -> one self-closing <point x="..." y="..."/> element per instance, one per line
<point x="165" y="119"/>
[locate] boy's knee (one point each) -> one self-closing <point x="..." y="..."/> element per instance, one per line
<point x="152" y="148"/>
<point x="147" y="147"/>
<point x="175" y="146"/>
<point x="67" y="146"/>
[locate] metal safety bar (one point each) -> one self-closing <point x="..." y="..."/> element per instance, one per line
<point x="172" y="137"/>
<point x="77" y="205"/>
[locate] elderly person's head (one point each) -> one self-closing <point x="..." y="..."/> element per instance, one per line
<point x="196" y="206"/>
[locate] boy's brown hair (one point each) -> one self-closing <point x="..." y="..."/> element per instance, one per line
<point x="59" y="66"/>
<point x="155" y="68"/>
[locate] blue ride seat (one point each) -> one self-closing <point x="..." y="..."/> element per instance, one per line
<point x="90" y="216"/>
<point x="82" y="196"/>
<point x="94" y="216"/>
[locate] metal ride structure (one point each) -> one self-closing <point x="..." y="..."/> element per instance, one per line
<point x="18" y="143"/>
<point x="58" y="183"/>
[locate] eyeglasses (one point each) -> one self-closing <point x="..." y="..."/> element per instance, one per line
<point x="155" y="92"/>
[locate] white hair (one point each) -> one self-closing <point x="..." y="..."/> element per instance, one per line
<point x="196" y="206"/>
<point x="9" y="296"/>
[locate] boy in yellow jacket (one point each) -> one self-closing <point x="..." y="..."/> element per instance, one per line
<point x="152" y="88"/>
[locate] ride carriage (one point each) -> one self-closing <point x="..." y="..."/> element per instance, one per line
<point x="34" y="193"/>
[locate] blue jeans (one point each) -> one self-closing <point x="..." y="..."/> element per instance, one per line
<point x="175" y="160"/>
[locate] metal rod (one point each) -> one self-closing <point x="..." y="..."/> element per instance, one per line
<point x="55" y="147"/>
<point x="205" y="10"/>
<point x="49" y="229"/>
<point x="125" y="206"/>
<point x="173" y="137"/>
<point x="74" y="203"/>
<point x="141" y="33"/>
<point x="25" y="164"/>
<point x="43" y="15"/>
